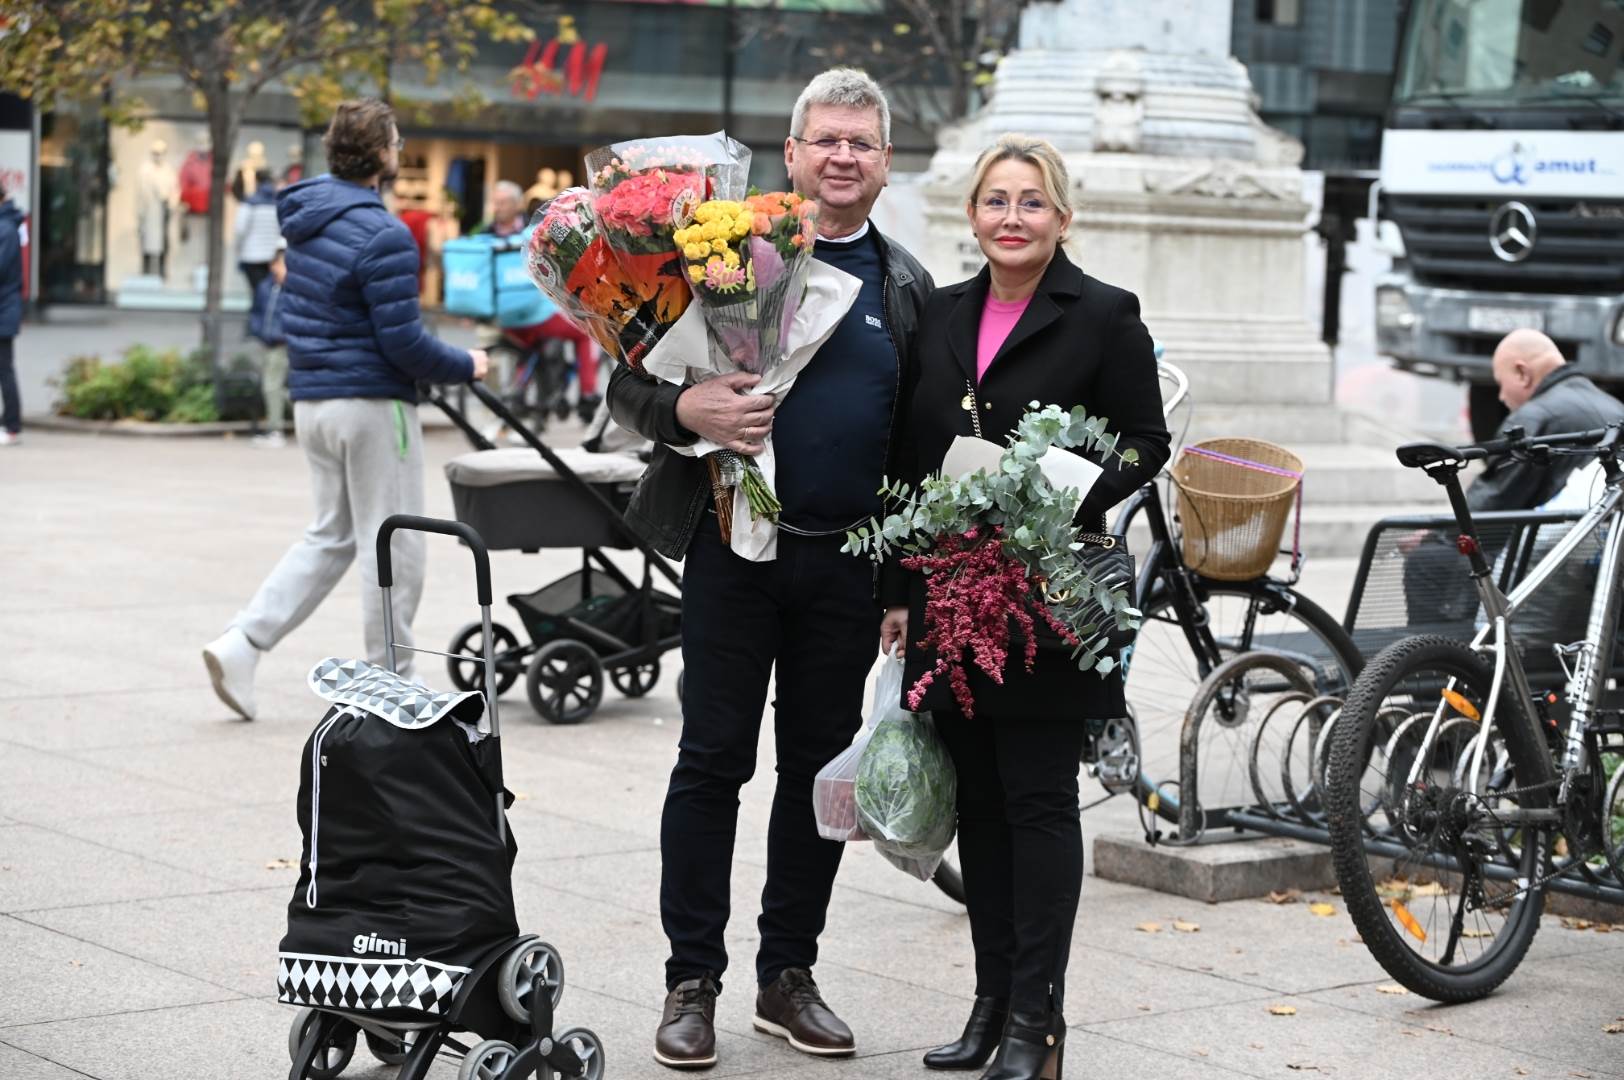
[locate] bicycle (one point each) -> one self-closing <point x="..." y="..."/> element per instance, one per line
<point x="1457" y="795"/>
<point x="1191" y="625"/>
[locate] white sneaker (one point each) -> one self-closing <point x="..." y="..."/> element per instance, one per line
<point x="231" y="658"/>
<point x="271" y="440"/>
<point x="10" y="438"/>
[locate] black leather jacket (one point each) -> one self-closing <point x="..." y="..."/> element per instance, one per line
<point x="666" y="508"/>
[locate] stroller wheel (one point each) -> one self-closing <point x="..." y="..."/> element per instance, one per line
<point x="565" y="681"/>
<point x="516" y="981"/>
<point x="488" y="1060"/>
<point x="469" y="674"/>
<point x="588" y="1047"/>
<point x="391" y="1050"/>
<point x="332" y="1056"/>
<point x="635" y="680"/>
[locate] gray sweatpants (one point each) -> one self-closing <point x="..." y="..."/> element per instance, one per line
<point x="366" y="462"/>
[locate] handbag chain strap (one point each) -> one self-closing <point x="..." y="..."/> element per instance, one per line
<point x="972" y="405"/>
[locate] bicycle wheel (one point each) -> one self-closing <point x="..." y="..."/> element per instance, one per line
<point x="1445" y="893"/>
<point x="1164" y="672"/>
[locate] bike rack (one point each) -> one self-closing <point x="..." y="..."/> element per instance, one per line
<point x="1284" y="819"/>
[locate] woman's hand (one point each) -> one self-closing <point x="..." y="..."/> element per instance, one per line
<point x="894" y="630"/>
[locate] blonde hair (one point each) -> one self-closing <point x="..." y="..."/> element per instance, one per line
<point x="1038" y="153"/>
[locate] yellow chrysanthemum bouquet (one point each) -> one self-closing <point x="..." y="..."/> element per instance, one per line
<point x="748" y="263"/>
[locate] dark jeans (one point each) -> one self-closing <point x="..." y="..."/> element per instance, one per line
<point x="255" y="273"/>
<point x="11" y="416"/>
<point x="1020" y="847"/>
<point x="812" y="613"/>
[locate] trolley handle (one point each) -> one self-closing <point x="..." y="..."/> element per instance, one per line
<point x="413" y="523"/>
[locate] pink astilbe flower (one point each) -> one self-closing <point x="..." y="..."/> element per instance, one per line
<point x="973" y="590"/>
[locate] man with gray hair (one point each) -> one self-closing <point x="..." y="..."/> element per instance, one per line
<point x="810" y="617"/>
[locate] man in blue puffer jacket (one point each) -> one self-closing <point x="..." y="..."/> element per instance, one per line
<point x="357" y="349"/>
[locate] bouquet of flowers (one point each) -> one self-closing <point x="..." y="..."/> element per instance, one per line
<point x="748" y="262"/>
<point x="998" y="547"/>
<point x="643" y="192"/>
<point x="570" y="261"/>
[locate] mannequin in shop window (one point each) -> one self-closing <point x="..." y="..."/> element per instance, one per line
<point x="156" y="197"/>
<point x="245" y="178"/>
<point x="549" y="182"/>
<point x="293" y="172"/>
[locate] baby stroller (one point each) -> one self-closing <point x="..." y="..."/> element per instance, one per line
<point x="594" y="620"/>
<point x="402" y="927"/>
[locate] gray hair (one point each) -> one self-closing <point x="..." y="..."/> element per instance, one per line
<point x="508" y="188"/>
<point x="845" y="87"/>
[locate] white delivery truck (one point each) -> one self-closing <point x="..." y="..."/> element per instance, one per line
<point x="1501" y="192"/>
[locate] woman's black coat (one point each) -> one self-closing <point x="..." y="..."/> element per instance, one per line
<point x="1079" y="342"/>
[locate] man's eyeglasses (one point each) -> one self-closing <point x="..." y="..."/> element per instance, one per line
<point x="829" y="147"/>
<point x="996" y="207"/>
<point x="399" y="143"/>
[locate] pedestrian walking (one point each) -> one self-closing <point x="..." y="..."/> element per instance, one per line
<point x="257" y="234"/>
<point x="357" y="348"/>
<point x="809" y="615"/>
<point x="265" y="326"/>
<point x="1030" y="327"/>
<point x="11" y="316"/>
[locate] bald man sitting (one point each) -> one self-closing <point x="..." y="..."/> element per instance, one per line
<point x="1545" y="397"/>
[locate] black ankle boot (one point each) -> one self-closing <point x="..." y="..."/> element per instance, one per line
<point x="981" y="1034"/>
<point x="1033" y="1048"/>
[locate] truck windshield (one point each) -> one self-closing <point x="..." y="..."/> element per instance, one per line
<point x="1512" y="52"/>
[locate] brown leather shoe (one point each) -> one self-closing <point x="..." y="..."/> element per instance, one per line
<point x="687" y="1035"/>
<point x="792" y="1009"/>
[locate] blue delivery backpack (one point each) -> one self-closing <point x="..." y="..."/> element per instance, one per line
<point x="485" y="279"/>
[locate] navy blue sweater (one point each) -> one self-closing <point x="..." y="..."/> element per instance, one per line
<point x="830" y="433"/>
<point x="349" y="304"/>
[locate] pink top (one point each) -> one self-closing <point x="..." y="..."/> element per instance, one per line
<point x="998" y="318"/>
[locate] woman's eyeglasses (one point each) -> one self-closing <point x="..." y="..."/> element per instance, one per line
<point x="858" y="149"/>
<point x="996" y="207"/>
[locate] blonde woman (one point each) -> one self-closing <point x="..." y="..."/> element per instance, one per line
<point x="1030" y="327"/>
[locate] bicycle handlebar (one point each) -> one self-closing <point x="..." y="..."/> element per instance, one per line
<point x="1423" y="455"/>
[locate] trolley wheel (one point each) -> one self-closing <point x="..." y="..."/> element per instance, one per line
<point x="389" y="1049"/>
<point x="588" y="1047"/>
<point x="565" y="681"/>
<point x="516" y="981"/>
<point x="488" y="1060"/>
<point x="635" y="680"/>
<point x="332" y="1056"/>
<point x="469" y="674"/>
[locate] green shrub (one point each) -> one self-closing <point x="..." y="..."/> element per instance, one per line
<point x="147" y="385"/>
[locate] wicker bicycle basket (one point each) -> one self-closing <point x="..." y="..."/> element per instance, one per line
<point x="1234" y="498"/>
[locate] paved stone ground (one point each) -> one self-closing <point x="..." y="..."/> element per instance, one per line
<point x="139" y="913"/>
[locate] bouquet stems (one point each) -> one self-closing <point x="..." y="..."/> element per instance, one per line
<point x="763" y="503"/>
<point x="722" y="495"/>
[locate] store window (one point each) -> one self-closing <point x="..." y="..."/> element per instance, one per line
<point x="1279" y="12"/>
<point x="72" y="229"/>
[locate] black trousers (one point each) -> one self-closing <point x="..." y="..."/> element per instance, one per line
<point x="11" y="406"/>
<point x="812" y="614"/>
<point x="1020" y="847"/>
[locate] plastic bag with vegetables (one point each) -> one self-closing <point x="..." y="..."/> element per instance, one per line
<point x="905" y="786"/>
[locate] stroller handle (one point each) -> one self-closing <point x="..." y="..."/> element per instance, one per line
<point x="413" y="523"/>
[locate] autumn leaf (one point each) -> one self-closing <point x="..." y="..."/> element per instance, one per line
<point x="1282" y="1010"/>
<point x="1149" y="928"/>
<point x="1322" y="909"/>
<point x="1186" y="927"/>
<point x="1391" y="988"/>
<point x="1572" y="923"/>
<point x="281" y="864"/>
<point x="1288" y="896"/>
<point x="1615" y="1028"/>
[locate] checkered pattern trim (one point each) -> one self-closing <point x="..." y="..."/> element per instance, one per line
<point x="338" y="982"/>
<point x="382" y="693"/>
